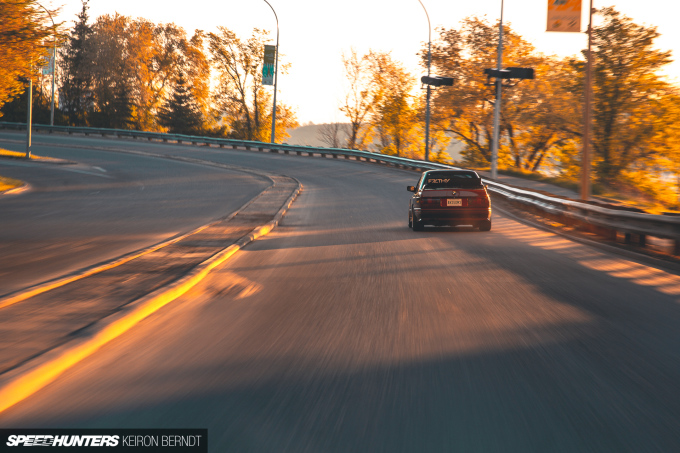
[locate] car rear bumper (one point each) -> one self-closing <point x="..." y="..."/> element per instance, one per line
<point x="464" y="216"/>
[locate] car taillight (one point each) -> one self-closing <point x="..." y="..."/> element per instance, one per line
<point x="478" y="202"/>
<point x="430" y="202"/>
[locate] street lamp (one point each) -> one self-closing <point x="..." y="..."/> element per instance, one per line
<point x="585" y="155"/>
<point x="497" y="104"/>
<point x="276" y="75"/>
<point x="29" y="109"/>
<point x="54" y="61"/>
<point x="429" y="63"/>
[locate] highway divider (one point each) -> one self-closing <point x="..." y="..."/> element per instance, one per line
<point x="599" y="218"/>
<point x="23" y="380"/>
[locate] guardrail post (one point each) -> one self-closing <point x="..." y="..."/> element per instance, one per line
<point x="299" y="153"/>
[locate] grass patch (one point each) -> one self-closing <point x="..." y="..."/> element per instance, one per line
<point x="16" y="154"/>
<point x="9" y="183"/>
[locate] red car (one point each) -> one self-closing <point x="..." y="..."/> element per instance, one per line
<point x="449" y="197"/>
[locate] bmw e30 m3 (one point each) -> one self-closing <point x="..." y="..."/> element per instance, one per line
<point x="449" y="197"/>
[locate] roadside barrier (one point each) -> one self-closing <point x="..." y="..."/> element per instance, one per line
<point x="605" y="220"/>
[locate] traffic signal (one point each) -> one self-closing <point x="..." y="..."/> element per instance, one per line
<point x="437" y="81"/>
<point x="510" y="73"/>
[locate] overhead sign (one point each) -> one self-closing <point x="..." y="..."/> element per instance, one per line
<point x="268" y="66"/>
<point x="564" y="15"/>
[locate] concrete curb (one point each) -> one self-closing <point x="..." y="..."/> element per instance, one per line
<point x="30" y="377"/>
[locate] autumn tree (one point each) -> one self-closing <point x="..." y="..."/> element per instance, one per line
<point x="245" y="104"/>
<point x="467" y="106"/>
<point x="629" y="102"/>
<point x="26" y="35"/>
<point x="135" y="65"/>
<point x="394" y="113"/>
<point x="359" y="98"/>
<point x="111" y="73"/>
<point x="546" y="116"/>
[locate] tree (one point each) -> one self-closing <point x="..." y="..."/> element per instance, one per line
<point x="181" y="114"/>
<point x="629" y="112"/>
<point x="76" y="76"/>
<point x="26" y="35"/>
<point x="111" y="72"/>
<point x="332" y="134"/>
<point x="467" y="107"/>
<point x="394" y="113"/>
<point x="245" y="104"/>
<point x="134" y="64"/>
<point x="359" y="98"/>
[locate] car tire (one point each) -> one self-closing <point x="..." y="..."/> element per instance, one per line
<point x="485" y="225"/>
<point x="417" y="226"/>
<point x="410" y="219"/>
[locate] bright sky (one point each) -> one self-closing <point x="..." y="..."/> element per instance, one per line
<point x="314" y="33"/>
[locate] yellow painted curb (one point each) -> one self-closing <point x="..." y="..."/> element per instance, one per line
<point x="27" y="379"/>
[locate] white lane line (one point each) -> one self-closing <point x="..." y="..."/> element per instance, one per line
<point x="55" y="167"/>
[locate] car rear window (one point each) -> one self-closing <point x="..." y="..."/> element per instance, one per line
<point x="458" y="180"/>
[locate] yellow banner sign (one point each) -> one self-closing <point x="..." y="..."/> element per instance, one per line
<point x="564" y="15"/>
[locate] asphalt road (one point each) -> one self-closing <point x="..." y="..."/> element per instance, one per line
<point x="107" y="205"/>
<point x="358" y="334"/>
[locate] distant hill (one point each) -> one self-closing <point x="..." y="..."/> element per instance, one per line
<point x="308" y="135"/>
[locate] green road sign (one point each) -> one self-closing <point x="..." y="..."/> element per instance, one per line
<point x="268" y="66"/>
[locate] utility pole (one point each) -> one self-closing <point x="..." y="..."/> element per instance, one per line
<point x="276" y="75"/>
<point x="429" y="63"/>
<point x="497" y="104"/>
<point x="587" y="113"/>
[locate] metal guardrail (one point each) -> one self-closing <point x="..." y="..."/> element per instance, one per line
<point x="223" y="142"/>
<point x="601" y="220"/>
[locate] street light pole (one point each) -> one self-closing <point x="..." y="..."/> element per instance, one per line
<point x="276" y="75"/>
<point x="497" y="104"/>
<point x="54" y="61"/>
<point x="585" y="153"/>
<point x="29" y="117"/>
<point x="429" y="63"/>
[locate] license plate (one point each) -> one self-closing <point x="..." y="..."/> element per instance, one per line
<point x="454" y="202"/>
